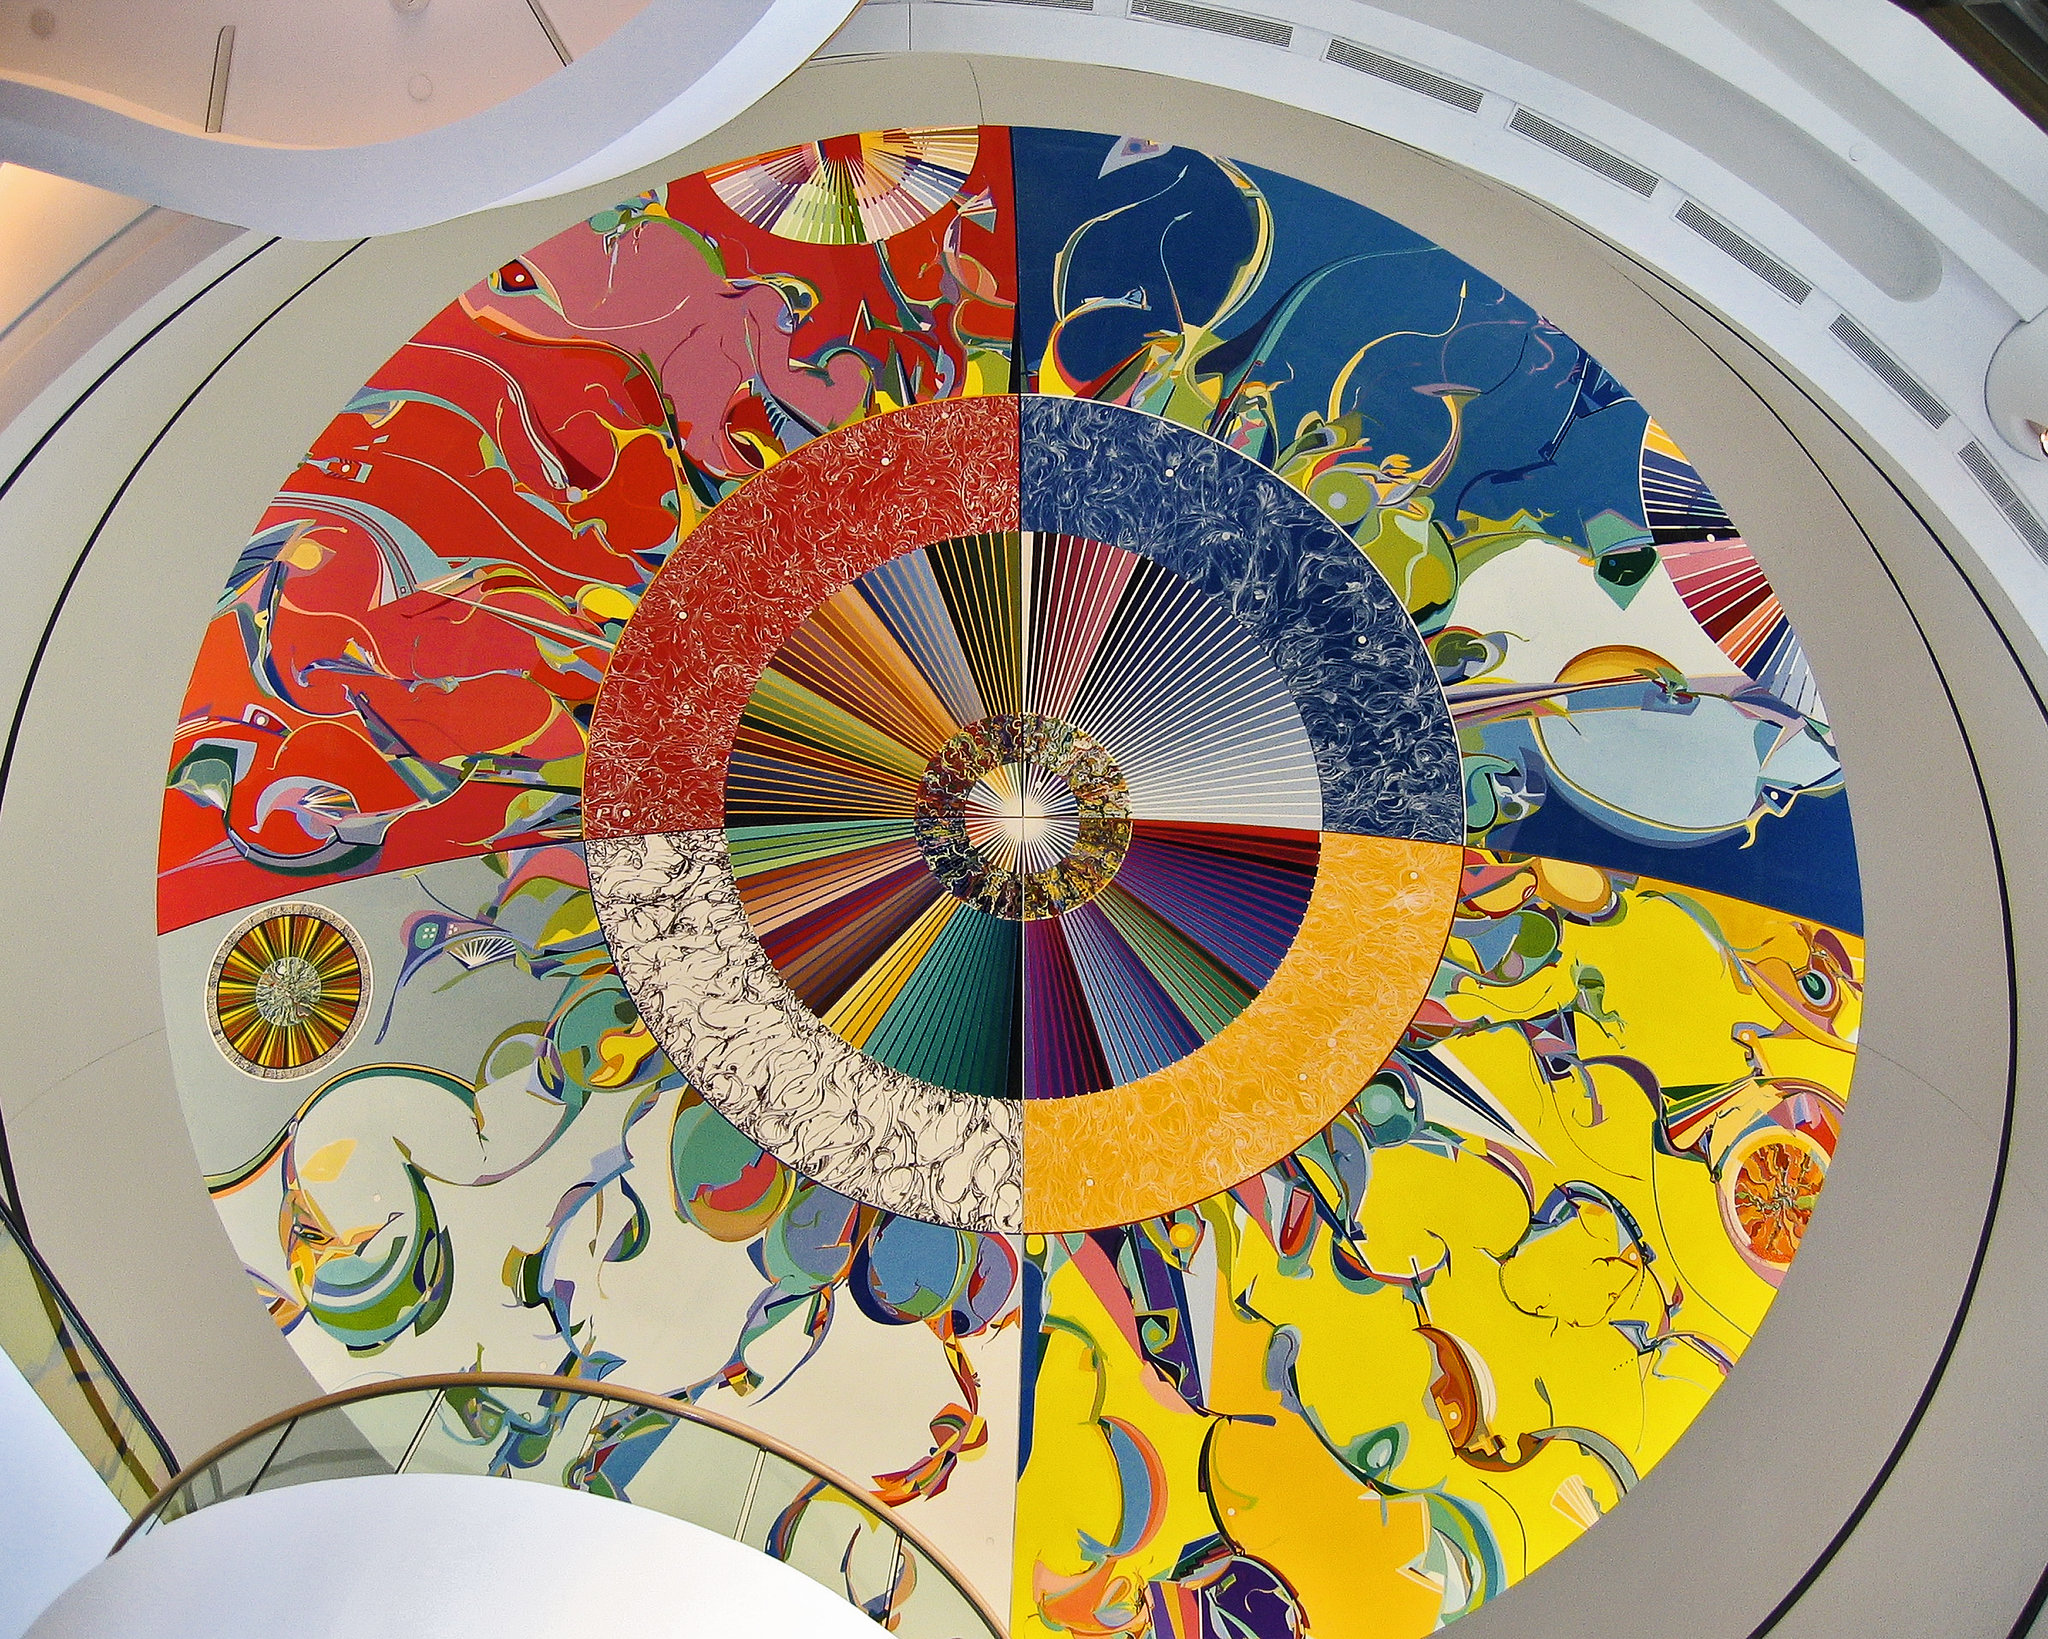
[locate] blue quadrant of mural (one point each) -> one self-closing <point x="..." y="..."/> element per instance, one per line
<point x="1384" y="745"/>
<point x="1455" y="436"/>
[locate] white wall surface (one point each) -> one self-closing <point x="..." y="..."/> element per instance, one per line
<point x="56" y="1517"/>
<point x="48" y="225"/>
<point x="454" y="1556"/>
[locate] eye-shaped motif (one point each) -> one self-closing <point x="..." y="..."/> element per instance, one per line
<point x="1818" y="988"/>
<point x="515" y="278"/>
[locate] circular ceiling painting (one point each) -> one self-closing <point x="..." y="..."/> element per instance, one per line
<point x="1066" y="820"/>
<point x="1033" y="853"/>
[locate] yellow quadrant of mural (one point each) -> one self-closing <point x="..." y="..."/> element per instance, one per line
<point x="1461" y="1334"/>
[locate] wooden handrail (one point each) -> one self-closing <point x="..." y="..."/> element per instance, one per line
<point x="593" y="1388"/>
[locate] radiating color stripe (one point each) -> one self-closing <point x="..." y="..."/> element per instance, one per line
<point x="1207" y="993"/>
<point x="904" y="594"/>
<point x="776" y="897"/>
<point x="1062" y="1057"/>
<point x="1075" y="588"/>
<point x="1140" y="1028"/>
<point x="768" y="847"/>
<point x="847" y="654"/>
<point x="823" y="955"/>
<point x="981" y="579"/>
<point x="772" y="782"/>
<point x="1237" y="891"/>
<point x="783" y="708"/>
<point x="953" y="1021"/>
<point x="861" y="1008"/>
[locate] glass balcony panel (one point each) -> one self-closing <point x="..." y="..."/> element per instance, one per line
<point x="553" y="1459"/>
<point x="830" y="1535"/>
<point x="202" y="1490"/>
<point x="389" y="1423"/>
<point x="235" y="1473"/>
<point x="934" y="1607"/>
<point x="324" y="1445"/>
<point x="685" y="1470"/>
<point x="489" y="1430"/>
<point x="834" y="1540"/>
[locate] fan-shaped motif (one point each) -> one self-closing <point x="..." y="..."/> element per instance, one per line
<point x="288" y="990"/>
<point x="851" y="190"/>
<point x="1718" y="576"/>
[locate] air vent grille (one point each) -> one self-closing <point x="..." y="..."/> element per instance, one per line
<point x="1581" y="152"/>
<point x="2007" y="499"/>
<point x="1738" y="249"/>
<point x="1262" y="29"/>
<point x="1888" y="370"/>
<point x="1407" y="75"/>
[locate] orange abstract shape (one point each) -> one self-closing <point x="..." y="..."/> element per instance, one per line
<point x="1771" y="1182"/>
<point x="956" y="1433"/>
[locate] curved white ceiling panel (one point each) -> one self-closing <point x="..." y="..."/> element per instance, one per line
<point x="678" y="70"/>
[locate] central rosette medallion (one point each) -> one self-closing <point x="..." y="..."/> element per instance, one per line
<point x="1023" y="816"/>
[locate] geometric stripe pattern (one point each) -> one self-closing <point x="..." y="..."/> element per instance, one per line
<point x="1719" y="578"/>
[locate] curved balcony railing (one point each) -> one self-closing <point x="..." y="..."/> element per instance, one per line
<point x="44" y="1336"/>
<point x="584" y="1435"/>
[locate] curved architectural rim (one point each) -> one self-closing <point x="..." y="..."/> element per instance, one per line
<point x="1967" y="655"/>
<point x="606" y="113"/>
<point x="584" y="1388"/>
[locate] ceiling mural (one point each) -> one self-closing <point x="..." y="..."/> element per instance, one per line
<point x="1073" y="823"/>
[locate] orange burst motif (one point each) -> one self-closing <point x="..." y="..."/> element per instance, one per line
<point x="1775" y="1191"/>
<point x="288" y="990"/>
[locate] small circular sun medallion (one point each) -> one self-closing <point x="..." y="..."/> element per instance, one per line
<point x="1023" y="816"/>
<point x="288" y="990"/>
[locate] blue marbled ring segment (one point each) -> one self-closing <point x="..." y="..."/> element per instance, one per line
<point x="1386" y="750"/>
